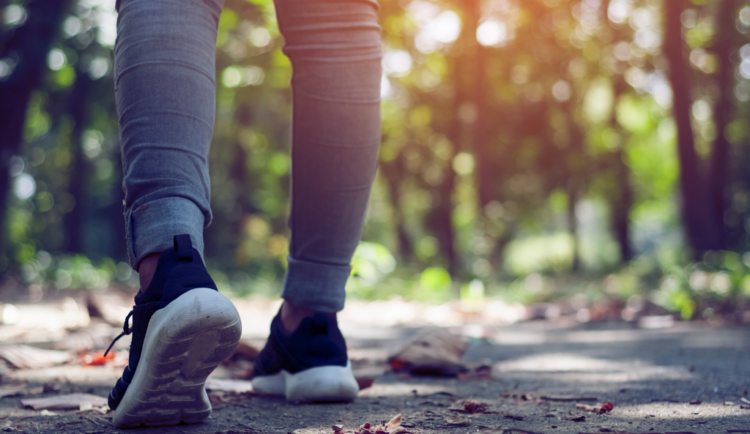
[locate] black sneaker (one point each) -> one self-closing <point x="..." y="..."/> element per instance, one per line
<point x="309" y="364"/>
<point x="182" y="329"/>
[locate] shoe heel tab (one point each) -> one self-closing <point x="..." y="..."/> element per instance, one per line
<point x="184" y="248"/>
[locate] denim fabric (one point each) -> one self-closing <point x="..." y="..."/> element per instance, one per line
<point x="165" y="89"/>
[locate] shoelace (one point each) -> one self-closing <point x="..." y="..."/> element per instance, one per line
<point x="126" y="330"/>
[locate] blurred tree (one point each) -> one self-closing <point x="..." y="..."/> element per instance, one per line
<point x="718" y="179"/>
<point x="25" y="48"/>
<point x="700" y="227"/>
<point x="518" y="137"/>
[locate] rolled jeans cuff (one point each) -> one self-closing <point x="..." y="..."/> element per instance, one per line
<point x="316" y="286"/>
<point x="151" y="227"/>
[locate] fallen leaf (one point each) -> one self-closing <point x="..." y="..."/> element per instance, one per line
<point x="576" y="418"/>
<point x="232" y="386"/>
<point x="61" y="402"/>
<point x="568" y="398"/>
<point x="104" y="409"/>
<point x="585" y="407"/>
<point x="457" y="421"/>
<point x="12" y="389"/>
<point x="600" y="409"/>
<point x="97" y="359"/>
<point x="434" y="351"/>
<point x="338" y="429"/>
<point x="26" y="357"/>
<point x="364" y="429"/>
<point x="393" y="423"/>
<point x="470" y="406"/>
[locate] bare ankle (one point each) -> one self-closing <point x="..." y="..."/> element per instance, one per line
<point x="292" y="316"/>
<point x="146" y="269"/>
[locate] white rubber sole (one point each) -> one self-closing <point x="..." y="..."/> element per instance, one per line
<point x="184" y="343"/>
<point x="325" y="383"/>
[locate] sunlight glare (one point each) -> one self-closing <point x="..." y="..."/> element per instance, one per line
<point x="619" y="11"/>
<point x="437" y="28"/>
<point x="397" y="62"/>
<point x="385" y="87"/>
<point x="561" y="91"/>
<point x="492" y="33"/>
<point x="745" y="15"/>
<point x="24" y="187"/>
<point x="56" y="59"/>
<point x="745" y="68"/>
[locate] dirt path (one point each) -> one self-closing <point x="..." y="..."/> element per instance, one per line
<point x="687" y="378"/>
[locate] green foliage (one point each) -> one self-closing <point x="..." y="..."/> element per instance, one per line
<point x="516" y="135"/>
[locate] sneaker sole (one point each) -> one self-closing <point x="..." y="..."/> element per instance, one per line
<point x="184" y="343"/>
<point x="321" y="384"/>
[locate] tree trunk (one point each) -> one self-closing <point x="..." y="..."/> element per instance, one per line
<point x="623" y="199"/>
<point x="722" y="116"/>
<point x="74" y="221"/>
<point x="698" y="226"/>
<point x="391" y="171"/>
<point x="30" y="44"/>
<point x="621" y="207"/>
<point x="481" y="146"/>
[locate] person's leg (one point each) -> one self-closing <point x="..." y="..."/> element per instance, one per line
<point x="335" y="49"/>
<point x="182" y="328"/>
<point x="165" y="91"/>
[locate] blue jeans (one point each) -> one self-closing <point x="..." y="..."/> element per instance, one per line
<point x="165" y="90"/>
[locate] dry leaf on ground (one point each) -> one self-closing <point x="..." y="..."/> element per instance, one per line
<point x="470" y="406"/>
<point x="12" y="389"/>
<point x="62" y="402"/>
<point x="97" y="359"/>
<point x="26" y="357"/>
<point x="600" y="409"/>
<point x="393" y="423"/>
<point x="434" y="351"/>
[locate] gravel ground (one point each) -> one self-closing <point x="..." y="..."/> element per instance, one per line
<point x="685" y="378"/>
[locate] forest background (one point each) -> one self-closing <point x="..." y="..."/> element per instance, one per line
<point x="531" y="150"/>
